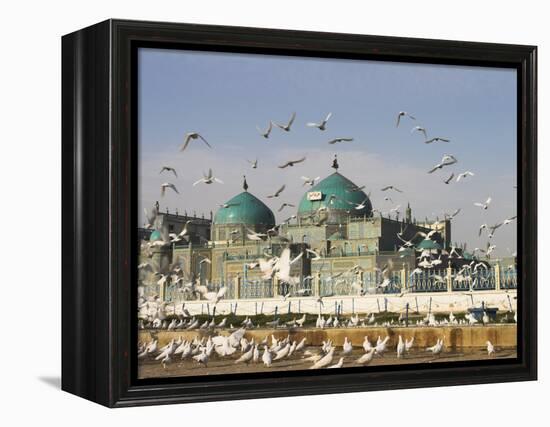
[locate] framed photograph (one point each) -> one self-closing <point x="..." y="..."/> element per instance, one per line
<point x="257" y="213"/>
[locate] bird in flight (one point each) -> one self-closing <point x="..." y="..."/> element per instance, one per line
<point x="191" y="136"/>
<point x="265" y="133"/>
<point x="169" y="169"/>
<point x="253" y="164"/>
<point x="166" y="185"/>
<point x="286" y="127"/>
<point x="464" y="175"/>
<point x="446" y="160"/>
<point x="208" y="179"/>
<point x="335" y="140"/>
<point x="361" y="205"/>
<point x="310" y="181"/>
<point x="391" y="187"/>
<point x="509" y="220"/>
<point x="437" y="139"/>
<point x="451" y="216"/>
<point x="276" y="194"/>
<point x="485" y="205"/>
<point x="403" y="114"/>
<point x="291" y="163"/>
<point x="284" y="205"/>
<point x="421" y="130"/>
<point x="322" y="125"/>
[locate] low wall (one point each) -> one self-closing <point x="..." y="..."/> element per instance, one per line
<point x="455" y="337"/>
<point x="421" y="302"/>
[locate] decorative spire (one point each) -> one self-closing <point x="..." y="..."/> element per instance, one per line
<point x="335" y="165"/>
<point x="245" y="184"/>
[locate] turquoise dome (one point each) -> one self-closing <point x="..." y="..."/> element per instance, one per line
<point x="245" y="208"/>
<point x="155" y="235"/>
<point x="345" y="199"/>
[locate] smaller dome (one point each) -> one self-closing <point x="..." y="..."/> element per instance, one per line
<point x="155" y="235"/>
<point x="428" y="244"/>
<point x="245" y="208"/>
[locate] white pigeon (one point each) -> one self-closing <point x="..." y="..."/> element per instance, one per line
<point x="283" y="352"/>
<point x="381" y="346"/>
<point x="266" y="357"/>
<point x="325" y="360"/>
<point x="322" y="125"/>
<point x="400" y="347"/>
<point x="286" y="127"/>
<point x="265" y="133"/>
<point x="437" y="348"/>
<point x="366" y="358"/>
<point x="208" y="178"/>
<point x="421" y="130"/>
<point x="202" y="358"/>
<point x="464" y="175"/>
<point x="402" y="114"/>
<point x="301" y="345"/>
<point x="347" y="348"/>
<point x="366" y="344"/>
<point x="485" y="205"/>
<point x="246" y="357"/>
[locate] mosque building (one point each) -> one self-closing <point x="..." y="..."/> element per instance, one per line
<point x="335" y="227"/>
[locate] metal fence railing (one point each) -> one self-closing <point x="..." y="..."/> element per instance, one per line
<point x="352" y="284"/>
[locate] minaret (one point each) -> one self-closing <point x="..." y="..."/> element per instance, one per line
<point x="408" y="213"/>
<point x="245" y="184"/>
<point x="335" y="165"/>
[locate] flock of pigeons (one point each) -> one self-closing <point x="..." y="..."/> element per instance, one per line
<point x="446" y="162"/>
<point x="273" y="267"/>
<point x="270" y="350"/>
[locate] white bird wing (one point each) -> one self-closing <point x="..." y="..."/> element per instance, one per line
<point x="221" y="292"/>
<point x="283" y="264"/>
<point x="186" y="142"/>
<point x="291" y="120"/>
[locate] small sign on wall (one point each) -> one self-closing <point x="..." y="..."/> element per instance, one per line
<point x="314" y="195"/>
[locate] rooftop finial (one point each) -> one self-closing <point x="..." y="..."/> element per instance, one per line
<point x="335" y="165"/>
<point x="245" y="184"/>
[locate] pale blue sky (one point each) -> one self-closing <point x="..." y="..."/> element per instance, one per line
<point x="224" y="96"/>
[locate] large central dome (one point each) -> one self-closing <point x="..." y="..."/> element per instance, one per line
<point x="247" y="209"/>
<point x="340" y="190"/>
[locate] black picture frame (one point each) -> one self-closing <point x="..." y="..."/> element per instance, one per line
<point x="99" y="204"/>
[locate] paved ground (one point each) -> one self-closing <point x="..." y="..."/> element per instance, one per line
<point x="149" y="368"/>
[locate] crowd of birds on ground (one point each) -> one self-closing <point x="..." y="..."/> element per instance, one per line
<point x="237" y="349"/>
